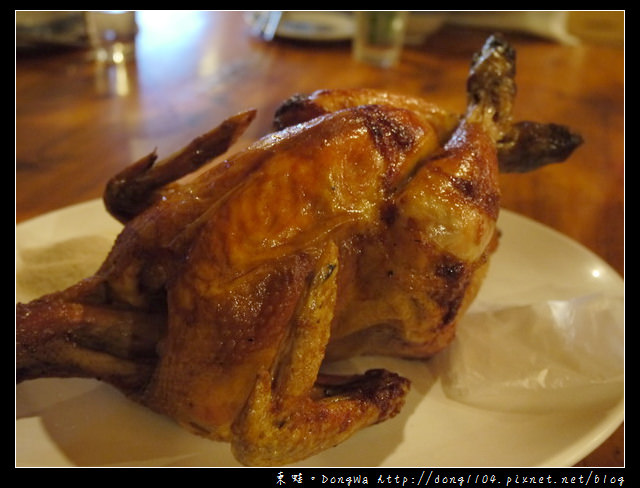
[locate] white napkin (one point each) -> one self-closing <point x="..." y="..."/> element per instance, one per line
<point x="539" y="357"/>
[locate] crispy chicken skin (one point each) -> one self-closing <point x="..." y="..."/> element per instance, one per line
<point x="363" y="224"/>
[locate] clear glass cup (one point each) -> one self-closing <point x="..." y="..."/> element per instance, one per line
<point x="379" y="37"/>
<point x="112" y="34"/>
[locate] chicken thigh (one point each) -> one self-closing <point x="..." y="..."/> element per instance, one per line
<point x="362" y="225"/>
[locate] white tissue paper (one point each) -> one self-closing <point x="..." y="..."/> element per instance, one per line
<point x="539" y="357"/>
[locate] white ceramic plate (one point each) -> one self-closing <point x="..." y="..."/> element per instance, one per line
<point x="77" y="422"/>
<point x="312" y="26"/>
<point x="316" y="26"/>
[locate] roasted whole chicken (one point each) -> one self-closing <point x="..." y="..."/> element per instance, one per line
<point x="363" y="224"/>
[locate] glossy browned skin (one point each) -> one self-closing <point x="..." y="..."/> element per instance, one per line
<point x="363" y="226"/>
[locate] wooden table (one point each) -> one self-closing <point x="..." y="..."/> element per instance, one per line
<point x="77" y="123"/>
